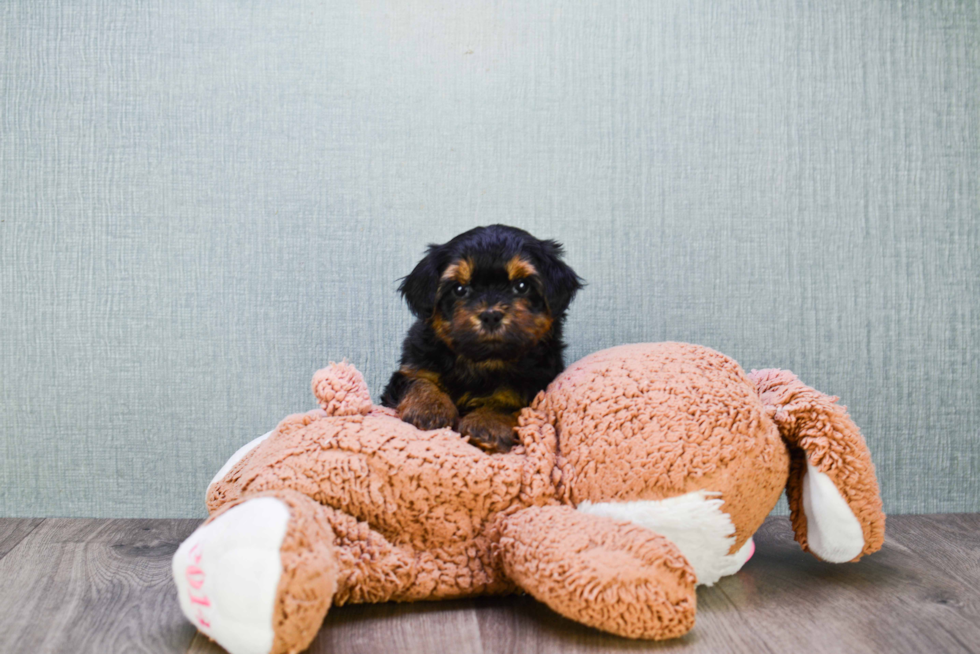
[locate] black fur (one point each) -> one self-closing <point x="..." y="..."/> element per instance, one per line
<point x="469" y="365"/>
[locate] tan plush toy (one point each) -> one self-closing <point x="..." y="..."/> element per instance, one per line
<point x="642" y="471"/>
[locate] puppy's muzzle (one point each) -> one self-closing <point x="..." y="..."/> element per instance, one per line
<point x="490" y="319"/>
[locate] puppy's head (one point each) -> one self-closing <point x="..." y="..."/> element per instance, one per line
<point x="492" y="292"/>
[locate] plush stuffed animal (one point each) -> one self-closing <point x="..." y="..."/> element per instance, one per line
<point x="642" y="471"/>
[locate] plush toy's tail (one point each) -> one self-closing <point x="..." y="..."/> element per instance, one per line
<point x="833" y="494"/>
<point x="341" y="391"/>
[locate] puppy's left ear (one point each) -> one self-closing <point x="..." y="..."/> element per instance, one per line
<point x="420" y="286"/>
<point x="561" y="282"/>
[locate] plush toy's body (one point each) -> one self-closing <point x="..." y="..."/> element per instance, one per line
<point x="642" y="471"/>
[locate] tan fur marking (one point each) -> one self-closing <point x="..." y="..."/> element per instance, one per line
<point x="528" y="321"/>
<point x="519" y="267"/>
<point x="419" y="373"/>
<point x="460" y="272"/>
<point x="503" y="399"/>
<point x="442" y="329"/>
<point x="486" y="365"/>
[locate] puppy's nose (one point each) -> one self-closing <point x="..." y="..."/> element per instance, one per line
<point x="491" y="318"/>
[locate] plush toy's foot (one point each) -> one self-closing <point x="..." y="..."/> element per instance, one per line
<point x="834" y="501"/>
<point x="259" y="575"/>
<point x="605" y="573"/>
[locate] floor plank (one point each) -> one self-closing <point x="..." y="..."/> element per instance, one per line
<point x="93" y="586"/>
<point x="104" y="586"/>
<point x="14" y="530"/>
<point x="416" y="628"/>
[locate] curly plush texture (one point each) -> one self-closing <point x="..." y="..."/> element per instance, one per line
<point x="601" y="572"/>
<point x="341" y="391"/>
<point x="428" y="494"/>
<point x="650" y="421"/>
<point x="419" y="515"/>
<point x="827" y="438"/>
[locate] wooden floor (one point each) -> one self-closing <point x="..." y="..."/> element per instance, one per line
<point x="104" y="586"/>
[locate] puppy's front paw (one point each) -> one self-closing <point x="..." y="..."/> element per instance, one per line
<point x="428" y="410"/>
<point x="490" y="431"/>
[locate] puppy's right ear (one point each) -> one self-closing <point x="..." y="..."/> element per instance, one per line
<point x="420" y="286"/>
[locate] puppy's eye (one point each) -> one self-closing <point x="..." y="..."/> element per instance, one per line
<point x="460" y="291"/>
<point x="521" y="287"/>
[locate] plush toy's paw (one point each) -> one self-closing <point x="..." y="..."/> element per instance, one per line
<point x="258" y="576"/>
<point x="489" y="430"/>
<point x="605" y="573"/>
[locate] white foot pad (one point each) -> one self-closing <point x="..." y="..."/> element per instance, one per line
<point x="694" y="522"/>
<point x="227" y="573"/>
<point x="832" y="531"/>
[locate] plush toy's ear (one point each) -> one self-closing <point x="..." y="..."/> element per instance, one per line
<point x="420" y="286"/>
<point x="561" y="282"/>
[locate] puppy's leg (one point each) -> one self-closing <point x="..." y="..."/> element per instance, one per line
<point x="421" y="401"/>
<point x="489" y="429"/>
<point x="491" y="419"/>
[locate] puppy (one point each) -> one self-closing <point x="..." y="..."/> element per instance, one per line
<point x="490" y="306"/>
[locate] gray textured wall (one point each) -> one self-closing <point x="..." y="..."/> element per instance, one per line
<point x="203" y="203"/>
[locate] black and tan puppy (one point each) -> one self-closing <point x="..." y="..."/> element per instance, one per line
<point x="490" y="306"/>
